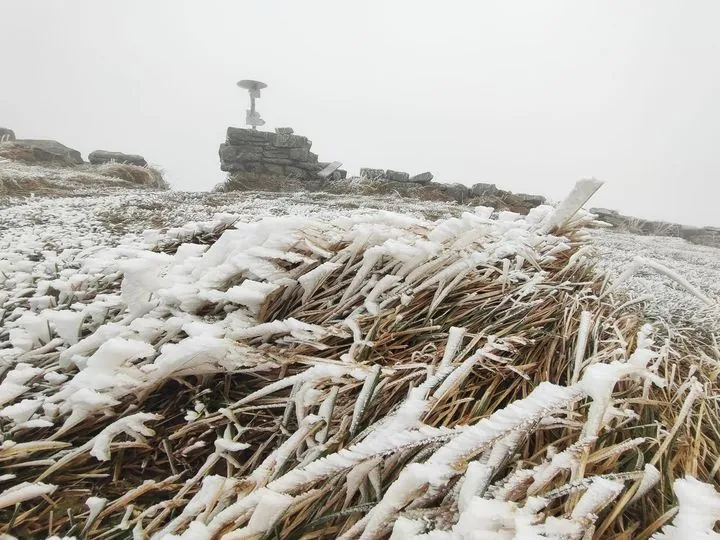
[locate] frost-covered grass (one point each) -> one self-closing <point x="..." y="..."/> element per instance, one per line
<point x="19" y="179"/>
<point x="296" y="367"/>
<point x="666" y="299"/>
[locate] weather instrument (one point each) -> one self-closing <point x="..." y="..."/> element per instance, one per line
<point x="252" y="117"/>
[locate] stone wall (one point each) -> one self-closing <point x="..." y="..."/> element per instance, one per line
<point x="263" y="158"/>
<point x="282" y="161"/>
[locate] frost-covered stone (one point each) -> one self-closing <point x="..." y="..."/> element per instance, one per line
<point x="242" y="136"/>
<point x="43" y="151"/>
<point x="397" y="176"/>
<point x="372" y="174"/>
<point x="104" y="156"/>
<point x="485" y="190"/>
<point x="531" y="200"/>
<point x="422" y="178"/>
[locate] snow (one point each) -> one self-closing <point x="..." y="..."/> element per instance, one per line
<point x="699" y="510"/>
<point x="24" y="492"/>
<point x="133" y="425"/>
<point x="668" y="300"/>
<point x="85" y="278"/>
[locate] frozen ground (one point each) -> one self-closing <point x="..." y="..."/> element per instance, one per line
<point x="106" y="299"/>
<point x="699" y="265"/>
<point x="45" y="227"/>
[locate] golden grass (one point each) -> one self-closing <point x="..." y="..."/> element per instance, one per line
<point x="540" y="336"/>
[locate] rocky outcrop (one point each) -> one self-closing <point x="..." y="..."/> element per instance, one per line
<point x="41" y="152"/>
<point x="103" y="156"/>
<point x="6" y="134"/>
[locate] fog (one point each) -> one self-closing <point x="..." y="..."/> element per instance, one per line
<point x="528" y="95"/>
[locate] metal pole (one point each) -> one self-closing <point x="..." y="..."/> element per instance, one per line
<point x="252" y="107"/>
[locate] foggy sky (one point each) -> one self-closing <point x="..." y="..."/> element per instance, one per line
<point x="528" y="95"/>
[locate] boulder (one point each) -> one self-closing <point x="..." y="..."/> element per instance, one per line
<point x="372" y="174"/>
<point x="328" y="169"/>
<point x="285" y="130"/>
<point x="397" y="176"/>
<point x="422" y="178"/>
<point x="103" y="156"/>
<point x="6" y="134"/>
<point x="458" y="192"/>
<point x="45" y="151"/>
<point x="340" y="174"/>
<point x="485" y="190"/>
<point x="530" y="201"/>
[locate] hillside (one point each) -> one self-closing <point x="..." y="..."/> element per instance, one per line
<point x="320" y="366"/>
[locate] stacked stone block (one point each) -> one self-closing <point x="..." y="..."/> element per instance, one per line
<point x="263" y="153"/>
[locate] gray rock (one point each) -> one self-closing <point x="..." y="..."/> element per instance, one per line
<point x="272" y="152"/>
<point x="273" y="169"/>
<point x="6" y="134"/>
<point x="103" y="156"/>
<point x="397" y="176"/>
<point x="485" y="190"/>
<point x="372" y="174"/>
<point x="302" y="154"/>
<point x="233" y="154"/>
<point x="48" y="150"/>
<point x="281" y="161"/>
<point x="328" y="169"/>
<point x="286" y="140"/>
<point x="285" y="130"/>
<point x="240" y="136"/>
<point x="459" y="192"/>
<point x="252" y="167"/>
<point x="422" y="178"/>
<point x="531" y="200"/>
<point x="340" y="174"/>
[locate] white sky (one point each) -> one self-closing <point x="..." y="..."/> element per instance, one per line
<point x="528" y="95"/>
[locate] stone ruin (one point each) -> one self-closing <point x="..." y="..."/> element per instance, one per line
<point x="263" y="159"/>
<point x="282" y="161"/>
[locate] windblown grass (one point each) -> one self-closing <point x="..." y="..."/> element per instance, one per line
<point x="18" y="179"/>
<point x="347" y="403"/>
